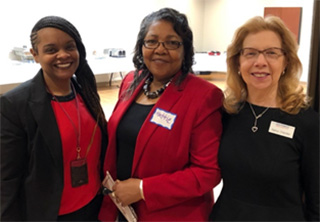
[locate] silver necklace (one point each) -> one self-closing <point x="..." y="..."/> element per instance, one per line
<point x="255" y="127"/>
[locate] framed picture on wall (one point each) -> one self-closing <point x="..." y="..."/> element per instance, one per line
<point x="291" y="16"/>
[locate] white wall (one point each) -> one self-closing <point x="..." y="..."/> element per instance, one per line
<point x="223" y="17"/>
<point x="115" y="23"/>
<point x="101" y="23"/>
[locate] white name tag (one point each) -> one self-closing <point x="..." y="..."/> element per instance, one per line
<point x="163" y="118"/>
<point x="281" y="129"/>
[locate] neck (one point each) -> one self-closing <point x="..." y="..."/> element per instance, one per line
<point x="263" y="99"/>
<point x="158" y="83"/>
<point x="61" y="88"/>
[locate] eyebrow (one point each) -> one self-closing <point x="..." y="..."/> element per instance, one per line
<point x="167" y="37"/>
<point x="51" y="44"/>
<point x="272" y="47"/>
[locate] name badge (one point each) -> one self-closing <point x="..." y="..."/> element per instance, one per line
<point x="163" y="118"/>
<point x="281" y="129"/>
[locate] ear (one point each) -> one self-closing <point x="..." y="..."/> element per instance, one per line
<point x="35" y="55"/>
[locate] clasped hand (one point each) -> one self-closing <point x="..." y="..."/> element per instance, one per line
<point x="127" y="191"/>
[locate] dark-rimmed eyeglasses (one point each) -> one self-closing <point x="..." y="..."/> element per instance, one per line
<point x="170" y="45"/>
<point x="269" y="54"/>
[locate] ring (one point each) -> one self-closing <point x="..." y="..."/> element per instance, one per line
<point x="113" y="195"/>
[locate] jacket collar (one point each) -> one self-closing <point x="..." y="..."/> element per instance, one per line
<point x="40" y="105"/>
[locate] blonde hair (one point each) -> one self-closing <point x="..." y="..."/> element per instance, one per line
<point x="290" y="92"/>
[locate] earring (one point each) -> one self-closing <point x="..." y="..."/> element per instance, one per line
<point x="284" y="71"/>
<point x="239" y="73"/>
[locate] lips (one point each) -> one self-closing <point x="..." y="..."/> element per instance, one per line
<point x="159" y="61"/>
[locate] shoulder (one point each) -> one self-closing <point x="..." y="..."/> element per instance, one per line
<point x="127" y="80"/>
<point x="201" y="88"/>
<point x="21" y="91"/>
<point x="309" y="119"/>
<point x="200" y="93"/>
<point x="129" y="77"/>
<point x="305" y="124"/>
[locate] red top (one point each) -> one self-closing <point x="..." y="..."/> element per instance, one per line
<point x="74" y="198"/>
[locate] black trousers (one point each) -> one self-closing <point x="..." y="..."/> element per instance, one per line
<point x="87" y="213"/>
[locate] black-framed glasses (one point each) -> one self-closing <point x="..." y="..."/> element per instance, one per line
<point x="170" y="45"/>
<point x="270" y="54"/>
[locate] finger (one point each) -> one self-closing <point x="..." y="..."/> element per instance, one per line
<point x="114" y="187"/>
<point x="104" y="182"/>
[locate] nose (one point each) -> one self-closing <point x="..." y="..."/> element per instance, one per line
<point x="62" y="54"/>
<point x="261" y="59"/>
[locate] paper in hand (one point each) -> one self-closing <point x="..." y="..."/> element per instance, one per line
<point x="128" y="211"/>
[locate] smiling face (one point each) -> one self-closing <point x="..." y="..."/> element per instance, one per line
<point x="259" y="74"/>
<point x="161" y="62"/>
<point x="57" y="54"/>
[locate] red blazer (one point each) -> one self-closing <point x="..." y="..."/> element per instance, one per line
<point x="178" y="166"/>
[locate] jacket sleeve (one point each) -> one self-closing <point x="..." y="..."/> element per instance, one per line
<point x="13" y="161"/>
<point x="202" y="173"/>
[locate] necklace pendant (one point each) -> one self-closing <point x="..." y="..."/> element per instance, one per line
<point x="254" y="129"/>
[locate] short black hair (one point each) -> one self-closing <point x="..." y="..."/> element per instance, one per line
<point x="181" y="27"/>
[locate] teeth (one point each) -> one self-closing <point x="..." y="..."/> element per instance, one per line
<point x="64" y="65"/>
<point x="259" y="75"/>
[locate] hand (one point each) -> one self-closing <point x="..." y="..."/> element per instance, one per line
<point x="127" y="191"/>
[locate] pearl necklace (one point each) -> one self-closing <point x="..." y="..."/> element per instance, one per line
<point x="155" y="94"/>
<point x="255" y="127"/>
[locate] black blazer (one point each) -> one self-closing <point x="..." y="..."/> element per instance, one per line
<point x="31" y="154"/>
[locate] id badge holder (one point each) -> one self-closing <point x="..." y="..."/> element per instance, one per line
<point x="79" y="172"/>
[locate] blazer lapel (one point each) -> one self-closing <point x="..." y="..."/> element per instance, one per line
<point x="44" y="116"/>
<point x="121" y="108"/>
<point x="168" y="99"/>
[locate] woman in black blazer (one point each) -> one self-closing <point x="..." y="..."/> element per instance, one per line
<point x="53" y="133"/>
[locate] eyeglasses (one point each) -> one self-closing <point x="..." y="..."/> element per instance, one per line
<point x="269" y="54"/>
<point x="170" y="45"/>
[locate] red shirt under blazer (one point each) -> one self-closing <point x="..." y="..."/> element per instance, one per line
<point x="178" y="166"/>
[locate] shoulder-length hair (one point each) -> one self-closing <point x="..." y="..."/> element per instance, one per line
<point x="180" y="25"/>
<point x="290" y="92"/>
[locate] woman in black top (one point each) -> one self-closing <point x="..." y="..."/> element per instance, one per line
<point x="269" y="152"/>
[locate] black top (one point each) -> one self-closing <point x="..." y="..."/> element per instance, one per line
<point x="265" y="174"/>
<point x="127" y="134"/>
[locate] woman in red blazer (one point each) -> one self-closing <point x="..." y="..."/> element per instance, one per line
<point x="165" y="130"/>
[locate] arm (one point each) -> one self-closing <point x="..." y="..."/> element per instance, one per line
<point x="310" y="168"/>
<point x="13" y="161"/>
